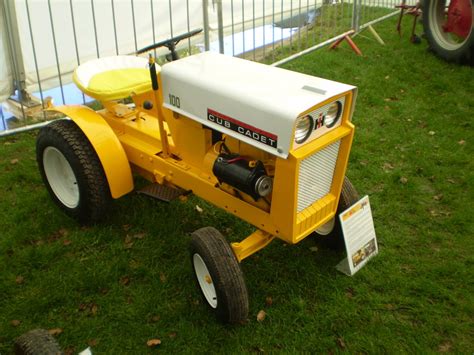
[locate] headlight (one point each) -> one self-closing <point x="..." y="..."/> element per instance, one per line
<point x="304" y="127"/>
<point x="333" y="113"/>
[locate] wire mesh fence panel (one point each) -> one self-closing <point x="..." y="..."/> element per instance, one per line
<point x="371" y="10"/>
<point x="56" y="36"/>
<point x="270" y="30"/>
<point x="59" y="35"/>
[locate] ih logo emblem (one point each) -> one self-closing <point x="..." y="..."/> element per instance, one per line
<point x="319" y="122"/>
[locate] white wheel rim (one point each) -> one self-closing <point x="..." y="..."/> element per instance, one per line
<point x="327" y="227"/>
<point x="437" y="18"/>
<point x="205" y="281"/>
<point x="61" y="177"/>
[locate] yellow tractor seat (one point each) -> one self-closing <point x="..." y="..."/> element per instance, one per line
<point x="113" y="78"/>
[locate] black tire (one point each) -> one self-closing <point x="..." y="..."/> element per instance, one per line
<point x="230" y="302"/>
<point x="443" y="44"/>
<point x="37" y="342"/>
<point x="84" y="195"/>
<point x="335" y="239"/>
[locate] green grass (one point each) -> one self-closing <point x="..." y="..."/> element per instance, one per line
<point x="332" y="20"/>
<point x="414" y="118"/>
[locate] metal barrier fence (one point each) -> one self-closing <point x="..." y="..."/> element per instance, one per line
<point x="58" y="35"/>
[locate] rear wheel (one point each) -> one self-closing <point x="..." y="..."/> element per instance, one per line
<point x="331" y="233"/>
<point x="448" y="26"/>
<point x="72" y="172"/>
<point x="219" y="276"/>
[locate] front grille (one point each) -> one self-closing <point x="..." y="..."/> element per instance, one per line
<point x="315" y="175"/>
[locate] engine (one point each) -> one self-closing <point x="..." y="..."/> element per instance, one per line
<point x="248" y="176"/>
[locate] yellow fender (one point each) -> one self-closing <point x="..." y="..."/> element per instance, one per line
<point x="106" y="145"/>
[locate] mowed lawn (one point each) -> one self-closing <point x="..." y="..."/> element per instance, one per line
<point x="117" y="285"/>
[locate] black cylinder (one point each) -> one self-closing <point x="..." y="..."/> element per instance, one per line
<point x="240" y="173"/>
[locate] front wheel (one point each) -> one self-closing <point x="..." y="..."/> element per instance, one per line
<point x="331" y="232"/>
<point x="448" y="26"/>
<point x="72" y="172"/>
<point x="219" y="276"/>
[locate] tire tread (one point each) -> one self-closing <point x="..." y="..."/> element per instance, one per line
<point x="37" y="342"/>
<point x="349" y="195"/>
<point x="232" y="300"/>
<point x="97" y="194"/>
<point x="462" y="55"/>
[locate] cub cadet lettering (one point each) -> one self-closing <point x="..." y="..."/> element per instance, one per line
<point x="242" y="128"/>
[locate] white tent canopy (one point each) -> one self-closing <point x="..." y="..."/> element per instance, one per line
<point x="6" y="81"/>
<point x="42" y="28"/>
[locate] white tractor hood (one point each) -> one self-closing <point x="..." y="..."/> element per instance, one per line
<point x="252" y="102"/>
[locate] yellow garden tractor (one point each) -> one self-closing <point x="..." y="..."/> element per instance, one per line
<point x="265" y="144"/>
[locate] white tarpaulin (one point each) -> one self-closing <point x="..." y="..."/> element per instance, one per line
<point x="6" y="83"/>
<point x="105" y="39"/>
<point x="109" y="37"/>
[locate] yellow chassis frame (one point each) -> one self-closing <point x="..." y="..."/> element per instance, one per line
<point x="125" y="138"/>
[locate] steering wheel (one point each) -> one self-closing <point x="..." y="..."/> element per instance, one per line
<point x="170" y="43"/>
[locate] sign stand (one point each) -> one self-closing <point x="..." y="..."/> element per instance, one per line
<point x="359" y="236"/>
<point x="343" y="267"/>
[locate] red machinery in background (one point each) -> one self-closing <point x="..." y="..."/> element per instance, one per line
<point x="448" y="27"/>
